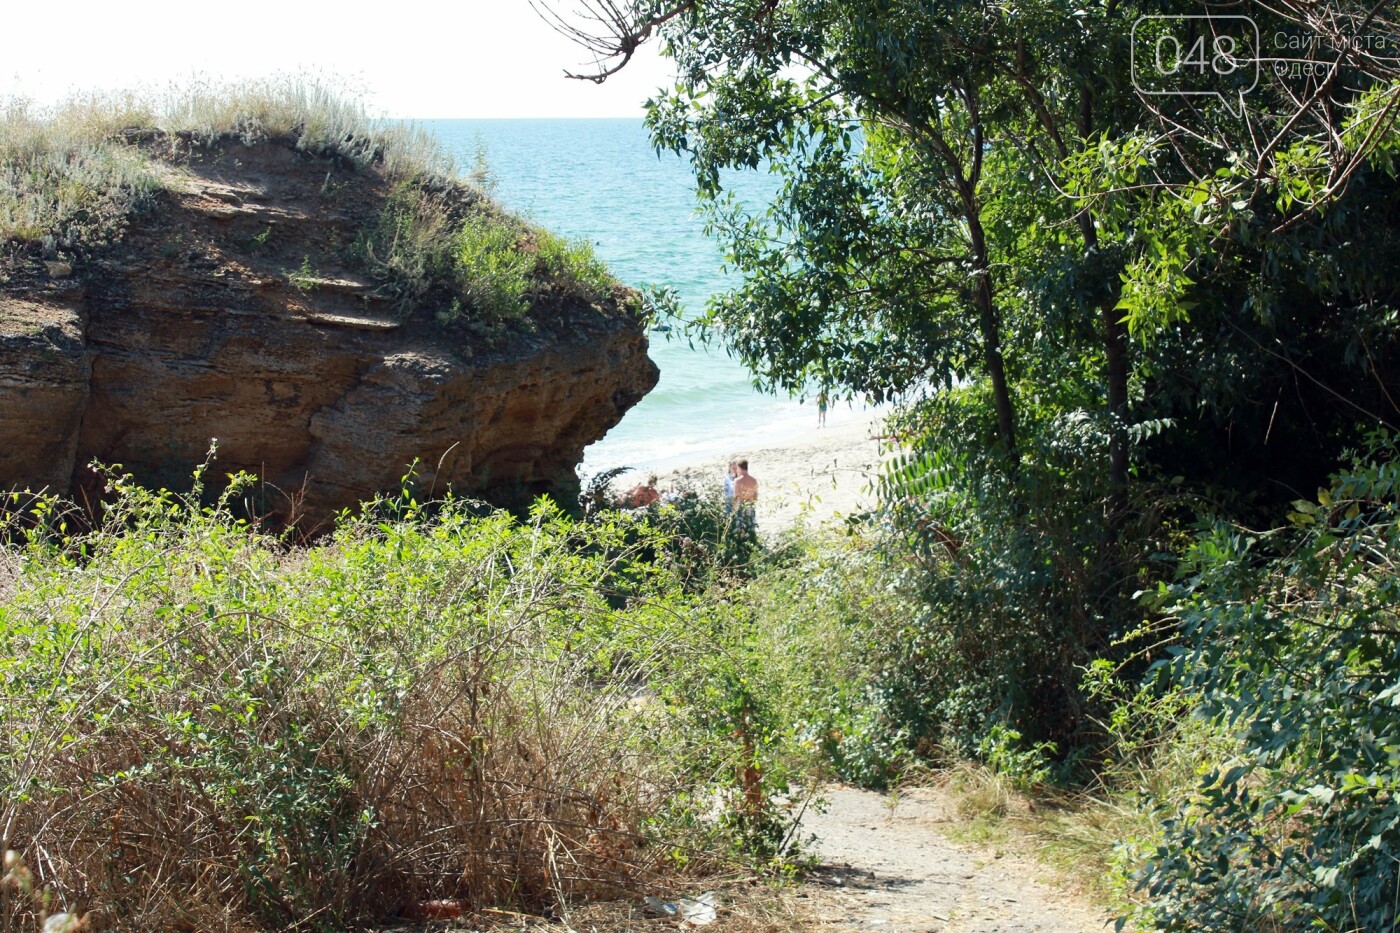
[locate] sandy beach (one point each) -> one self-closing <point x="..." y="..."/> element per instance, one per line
<point x="813" y="477"/>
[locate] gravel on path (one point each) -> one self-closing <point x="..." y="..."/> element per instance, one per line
<point x="888" y="868"/>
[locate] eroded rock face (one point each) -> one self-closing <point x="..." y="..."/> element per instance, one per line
<point x="43" y="392"/>
<point x="193" y="329"/>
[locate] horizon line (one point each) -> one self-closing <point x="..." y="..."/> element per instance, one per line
<point x="634" y="116"/>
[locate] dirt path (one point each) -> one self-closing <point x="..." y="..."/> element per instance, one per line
<point x="892" y="870"/>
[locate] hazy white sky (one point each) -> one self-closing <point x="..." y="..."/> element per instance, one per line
<point x="406" y="58"/>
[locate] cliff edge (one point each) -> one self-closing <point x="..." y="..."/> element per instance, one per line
<point x="266" y="296"/>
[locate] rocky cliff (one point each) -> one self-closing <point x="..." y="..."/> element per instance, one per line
<point x="231" y="310"/>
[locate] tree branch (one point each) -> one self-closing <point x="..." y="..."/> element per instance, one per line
<point x="615" y="34"/>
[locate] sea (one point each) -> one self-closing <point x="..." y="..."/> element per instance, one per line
<point x="601" y="180"/>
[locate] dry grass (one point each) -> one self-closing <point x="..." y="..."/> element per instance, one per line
<point x="742" y="908"/>
<point x="205" y="730"/>
<point x="1092" y="838"/>
<point x="320" y="119"/>
<point x="71" y="175"/>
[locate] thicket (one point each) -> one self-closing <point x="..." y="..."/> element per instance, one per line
<point x="1290" y="646"/>
<point x="1111" y="319"/>
<point x="206" y="727"/>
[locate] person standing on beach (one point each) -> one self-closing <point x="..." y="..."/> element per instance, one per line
<point x="745" y="496"/>
<point x="730" y="471"/>
<point x="821" y="409"/>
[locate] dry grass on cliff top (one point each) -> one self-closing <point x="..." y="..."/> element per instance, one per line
<point x="71" y="175"/>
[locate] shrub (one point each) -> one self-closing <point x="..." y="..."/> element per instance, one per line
<point x="412" y="244"/>
<point x="1292" y="645"/>
<point x="1000" y="581"/>
<point x="818" y="618"/>
<point x="572" y="266"/>
<point x="493" y="272"/>
<point x="1016" y="579"/>
<point x="707" y="543"/>
<point x="206" y="727"/>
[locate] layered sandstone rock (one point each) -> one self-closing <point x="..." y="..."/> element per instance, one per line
<point x="203" y="323"/>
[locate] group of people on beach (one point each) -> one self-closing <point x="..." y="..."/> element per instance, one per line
<point x="740" y="494"/>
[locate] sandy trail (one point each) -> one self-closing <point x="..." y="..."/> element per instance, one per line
<point x="888" y="869"/>
<point x="891" y="870"/>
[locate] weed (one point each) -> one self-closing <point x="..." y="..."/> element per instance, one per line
<point x="573" y="267"/>
<point x="481" y="174"/>
<point x="330" y="187"/>
<point x="493" y="271"/>
<point x="412" y="244"/>
<point x="303" y="279"/>
<point x="172" y="245"/>
<point x="206" y="728"/>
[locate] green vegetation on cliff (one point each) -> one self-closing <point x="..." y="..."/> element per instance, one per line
<point x="74" y="178"/>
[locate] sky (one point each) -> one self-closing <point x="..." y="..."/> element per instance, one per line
<point x="426" y="60"/>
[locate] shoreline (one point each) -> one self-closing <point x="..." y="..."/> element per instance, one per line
<point x="679" y="444"/>
<point x="809" y="478"/>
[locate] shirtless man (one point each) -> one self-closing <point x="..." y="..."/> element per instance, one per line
<point x="639" y="497"/>
<point x="745" y="486"/>
<point x="745" y="496"/>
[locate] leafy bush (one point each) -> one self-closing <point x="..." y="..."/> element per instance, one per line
<point x="204" y="727"/>
<point x="572" y="266"/>
<point x="707" y="543"/>
<point x="1006" y="754"/>
<point x="818" y="614"/>
<point x="704" y="544"/>
<point x="1005" y="574"/>
<point x="1292" y="645"/>
<point x="493" y="272"/>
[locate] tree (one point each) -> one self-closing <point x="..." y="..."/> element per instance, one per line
<point x="981" y="215"/>
<point x="899" y="127"/>
<point x="886" y="120"/>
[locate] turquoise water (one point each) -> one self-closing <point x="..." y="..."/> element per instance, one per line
<point x="601" y="180"/>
